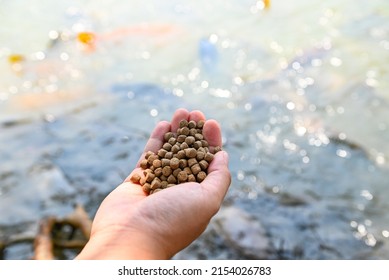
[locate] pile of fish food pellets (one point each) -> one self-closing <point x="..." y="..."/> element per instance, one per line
<point x="184" y="157"/>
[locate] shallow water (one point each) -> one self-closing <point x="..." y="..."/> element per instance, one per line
<point x="300" y="89"/>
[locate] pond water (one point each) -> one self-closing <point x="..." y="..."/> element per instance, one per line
<point x="300" y="88"/>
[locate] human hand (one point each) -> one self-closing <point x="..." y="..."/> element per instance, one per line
<point x="130" y="224"/>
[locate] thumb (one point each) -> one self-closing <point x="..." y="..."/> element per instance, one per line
<point x="218" y="180"/>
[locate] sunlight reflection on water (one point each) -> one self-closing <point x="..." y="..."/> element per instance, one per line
<point x="303" y="106"/>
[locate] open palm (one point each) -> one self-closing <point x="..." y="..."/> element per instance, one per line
<point x="133" y="225"/>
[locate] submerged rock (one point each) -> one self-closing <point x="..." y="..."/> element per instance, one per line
<point x="243" y="232"/>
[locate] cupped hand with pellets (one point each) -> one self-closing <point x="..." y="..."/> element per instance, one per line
<point x="137" y="222"/>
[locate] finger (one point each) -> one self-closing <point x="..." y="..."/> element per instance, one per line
<point x="218" y="179"/>
<point x="196" y="116"/>
<point x="179" y="115"/>
<point x="212" y="133"/>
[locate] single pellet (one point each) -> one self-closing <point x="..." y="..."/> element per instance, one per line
<point x="199" y="136"/>
<point x="162" y="153"/>
<point x="195" y="169"/>
<point x="190" y="152"/>
<point x="201" y="176"/>
<point x="135" y="178"/>
<point x="171" y="179"/>
<point x="184" y="131"/>
<point x="169" y="155"/>
<point x="155" y="184"/>
<point x="166" y="171"/>
<point x="157" y="163"/>
<point x="208" y="157"/>
<point x="165" y="162"/>
<point x="183" y="123"/>
<point x="192" y="124"/>
<point x="181" y="138"/>
<point x="168" y="135"/>
<point x="144" y="163"/>
<point x="150" y="177"/>
<point x="182" y="176"/>
<point x="204" y="164"/>
<point x="189" y="140"/>
<point x="191" y="178"/>
<point x="172" y="141"/>
<point x="167" y="146"/>
<point x="191" y="162"/>
<point x="174" y="163"/>
<point x="146" y="187"/>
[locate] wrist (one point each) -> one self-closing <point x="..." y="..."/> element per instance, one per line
<point x="122" y="246"/>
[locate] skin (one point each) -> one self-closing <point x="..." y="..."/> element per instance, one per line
<point x="129" y="224"/>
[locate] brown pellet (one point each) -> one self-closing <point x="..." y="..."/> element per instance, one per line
<point x="146" y="187"/>
<point x="183" y="163"/>
<point x="204" y="143"/>
<point x="135" y="178"/>
<point x="148" y="154"/>
<point x="165" y="162"/>
<point x="175" y="149"/>
<point x="168" y="135"/>
<point x="143" y="163"/>
<point x="155" y="184"/>
<point x="200" y="124"/>
<point x="191" y="178"/>
<point x="201" y="176"/>
<point x="217" y="149"/>
<point x="180" y="154"/>
<point x="167" y="146"/>
<point x="190" y="152"/>
<point x="199" y="136"/>
<point x="181" y="138"/>
<point x="150" y="177"/>
<point x="172" y="141"/>
<point x="162" y="153"/>
<point x="189" y="140"/>
<point x="204" y="164"/>
<point x="184" y="131"/>
<point x="157" y="163"/>
<point x="208" y="157"/>
<point x="142" y="180"/>
<point x="169" y="155"/>
<point x="195" y="169"/>
<point x="163" y="177"/>
<point x="184" y="157"/>
<point x="191" y="162"/>
<point x="151" y="158"/>
<point x="158" y="172"/>
<point x="182" y="176"/>
<point x="200" y="155"/>
<point x="183" y="123"/>
<point x="171" y="179"/>
<point x="193" y="131"/>
<point x="197" y="145"/>
<point x="174" y="163"/>
<point x="166" y="171"/>
<point x="176" y="171"/>
<point x="184" y="146"/>
<point x="192" y="124"/>
<point x="188" y="170"/>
